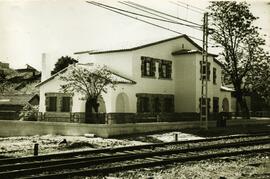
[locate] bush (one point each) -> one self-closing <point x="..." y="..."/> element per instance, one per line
<point x="29" y="113"/>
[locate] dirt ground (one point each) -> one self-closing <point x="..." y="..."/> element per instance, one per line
<point x="234" y="167"/>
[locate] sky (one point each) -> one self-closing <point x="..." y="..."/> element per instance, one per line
<point x="29" y="28"/>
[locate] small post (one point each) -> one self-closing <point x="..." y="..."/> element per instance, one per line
<point x="158" y="118"/>
<point x="36" y="149"/>
<point x="176" y="137"/>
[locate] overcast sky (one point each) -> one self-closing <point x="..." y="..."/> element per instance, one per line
<point x="29" y="28"/>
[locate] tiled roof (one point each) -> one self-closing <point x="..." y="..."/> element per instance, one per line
<point x="91" y="52"/>
<point x="17" y="99"/>
<point x="188" y="51"/>
<point x="118" y="78"/>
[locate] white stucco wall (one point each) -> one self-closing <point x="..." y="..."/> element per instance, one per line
<point x="53" y="86"/>
<point x="120" y="62"/>
<point x="185" y="84"/>
<point x="213" y="89"/>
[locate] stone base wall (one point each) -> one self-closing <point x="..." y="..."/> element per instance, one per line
<point x="77" y="117"/>
<point x="122" y="118"/>
<point x="27" y="128"/>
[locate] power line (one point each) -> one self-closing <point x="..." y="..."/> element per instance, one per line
<point x="163" y="13"/>
<point x="194" y="7"/>
<point x="136" y="18"/>
<point x="138" y="8"/>
<point x="165" y="19"/>
<point x="186" y="7"/>
<point x="150" y="17"/>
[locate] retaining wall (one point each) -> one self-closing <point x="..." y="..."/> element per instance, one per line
<point x="27" y="128"/>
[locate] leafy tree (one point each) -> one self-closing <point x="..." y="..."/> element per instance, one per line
<point x="259" y="78"/>
<point x="89" y="81"/>
<point x="233" y="27"/>
<point x="62" y="63"/>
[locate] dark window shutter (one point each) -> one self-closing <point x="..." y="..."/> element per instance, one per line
<point x="52" y="104"/>
<point x="65" y="107"/>
<point x="208" y="70"/>
<point x="153" y="67"/>
<point x="47" y="102"/>
<point x="143" y="66"/>
<point x="139" y="105"/>
<point x="200" y="71"/>
<point x="169" y="70"/>
<point x="200" y="66"/>
<point x="214" y="75"/>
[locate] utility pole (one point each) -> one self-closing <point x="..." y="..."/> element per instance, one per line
<point x="204" y="76"/>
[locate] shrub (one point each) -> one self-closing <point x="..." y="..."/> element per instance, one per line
<point x="29" y="113"/>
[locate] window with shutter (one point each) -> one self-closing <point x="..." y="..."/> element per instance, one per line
<point x="148" y="67"/>
<point x="203" y="103"/>
<point x="203" y="71"/>
<point x="165" y="69"/>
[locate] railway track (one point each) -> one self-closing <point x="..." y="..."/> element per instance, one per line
<point x="95" y="162"/>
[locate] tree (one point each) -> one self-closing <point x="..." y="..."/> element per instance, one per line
<point x="233" y="29"/>
<point x="90" y="81"/>
<point x="259" y="79"/>
<point x="62" y="63"/>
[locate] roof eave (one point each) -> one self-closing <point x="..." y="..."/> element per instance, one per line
<point x="91" y="52"/>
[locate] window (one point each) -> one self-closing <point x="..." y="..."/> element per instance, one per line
<point x="58" y="102"/>
<point x="204" y="107"/>
<point x="165" y="69"/>
<point x="215" y="104"/>
<point x="214" y="75"/>
<point x="65" y="107"/>
<point x="143" y="104"/>
<point x="205" y="70"/>
<point x="168" y="105"/>
<point x="148" y="67"/>
<point x="51" y="104"/>
<point x="157" y="105"/>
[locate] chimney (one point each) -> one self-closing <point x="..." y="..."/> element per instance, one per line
<point x="45" y="73"/>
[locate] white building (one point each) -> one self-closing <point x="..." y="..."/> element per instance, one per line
<point x="158" y="78"/>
